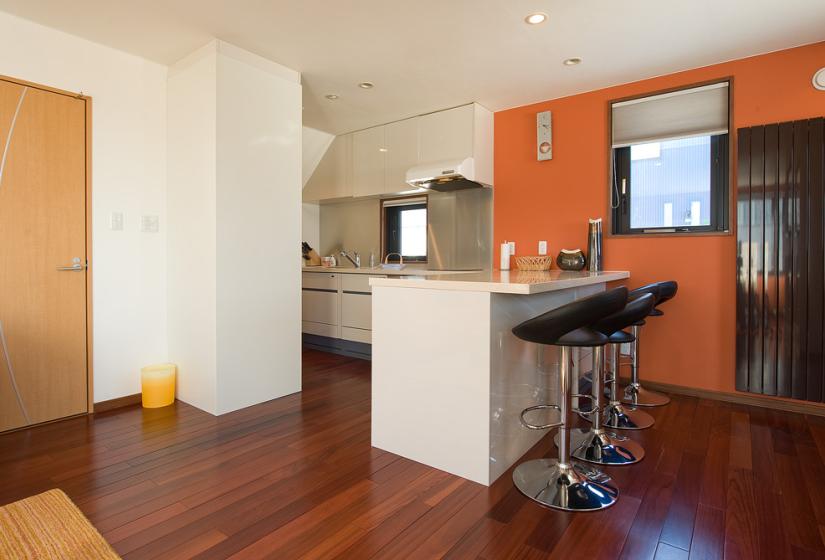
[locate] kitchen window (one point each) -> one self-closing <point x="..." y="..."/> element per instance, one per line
<point x="405" y="228"/>
<point x="670" y="164"/>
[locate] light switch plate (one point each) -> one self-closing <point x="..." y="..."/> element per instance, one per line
<point x="149" y="224"/>
<point x="116" y="221"/>
<point x="512" y="247"/>
<point x="542" y="247"/>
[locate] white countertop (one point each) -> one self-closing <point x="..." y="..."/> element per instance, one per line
<point x="502" y="282"/>
<point x="407" y="271"/>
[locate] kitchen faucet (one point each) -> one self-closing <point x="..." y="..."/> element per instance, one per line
<point x="356" y="262"/>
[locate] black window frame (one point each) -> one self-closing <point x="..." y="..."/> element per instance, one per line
<point x="719" y="192"/>
<point x="721" y="179"/>
<point x="391" y="224"/>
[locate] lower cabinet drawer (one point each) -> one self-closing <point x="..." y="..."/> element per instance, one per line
<point x="357" y="282"/>
<point x="320" y="280"/>
<point x="357" y="335"/>
<point x="320" y="329"/>
<point x="356" y="311"/>
<point x="319" y="307"/>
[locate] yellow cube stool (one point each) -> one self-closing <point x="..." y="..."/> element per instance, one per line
<point x="158" y="385"/>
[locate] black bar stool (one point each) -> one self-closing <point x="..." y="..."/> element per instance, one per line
<point x="597" y="445"/>
<point x="634" y="393"/>
<point x="561" y="483"/>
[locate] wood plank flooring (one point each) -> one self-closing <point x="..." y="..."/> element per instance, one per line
<point x="297" y="478"/>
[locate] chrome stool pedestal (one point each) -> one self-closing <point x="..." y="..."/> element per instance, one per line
<point x="634" y="393"/>
<point x="561" y="483"/>
<point x="616" y="415"/>
<point x="596" y="445"/>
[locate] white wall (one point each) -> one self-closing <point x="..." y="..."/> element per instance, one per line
<point x="192" y="236"/>
<point x="128" y="175"/>
<point x="236" y="151"/>
<point x="314" y="145"/>
<point x="311" y="225"/>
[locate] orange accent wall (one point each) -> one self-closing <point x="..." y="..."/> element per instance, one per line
<point x="694" y="343"/>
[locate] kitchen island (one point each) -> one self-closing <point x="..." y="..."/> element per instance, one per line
<point x="449" y="379"/>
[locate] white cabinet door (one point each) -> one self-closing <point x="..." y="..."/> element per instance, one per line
<point x="358" y="282"/>
<point x="356" y="311"/>
<point x="333" y="176"/>
<point x="446" y="135"/>
<point x="320" y="307"/>
<point x="402" y="153"/>
<point x="368" y="161"/>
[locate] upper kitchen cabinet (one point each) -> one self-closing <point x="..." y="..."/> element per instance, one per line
<point x="401" y="144"/>
<point x="457" y="134"/>
<point x="368" y="152"/>
<point x="333" y="177"/>
<point x="375" y="161"/>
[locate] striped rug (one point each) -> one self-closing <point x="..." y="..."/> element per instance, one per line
<point x="49" y="526"/>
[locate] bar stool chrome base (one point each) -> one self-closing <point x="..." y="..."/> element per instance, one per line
<point x="604" y="448"/>
<point x="619" y="417"/>
<point x="636" y="395"/>
<point x="568" y="487"/>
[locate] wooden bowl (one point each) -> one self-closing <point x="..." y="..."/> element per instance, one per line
<point x="542" y="262"/>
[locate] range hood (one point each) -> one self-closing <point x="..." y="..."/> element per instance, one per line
<point x="445" y="176"/>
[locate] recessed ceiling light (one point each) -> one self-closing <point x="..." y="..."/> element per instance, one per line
<point x="383" y="150"/>
<point x="572" y="61"/>
<point x="366" y="85"/>
<point x="331" y="96"/>
<point x="537" y="18"/>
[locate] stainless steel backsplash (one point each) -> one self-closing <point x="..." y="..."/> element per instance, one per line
<point x="460" y="230"/>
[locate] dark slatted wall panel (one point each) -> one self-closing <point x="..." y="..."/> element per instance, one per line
<point x="786" y="225"/>
<point x="743" y="219"/>
<point x="780" y="301"/>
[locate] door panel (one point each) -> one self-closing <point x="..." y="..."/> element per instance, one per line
<point x="320" y="307"/>
<point x="42" y="226"/>
<point x="368" y="161"/>
<point x="356" y="311"/>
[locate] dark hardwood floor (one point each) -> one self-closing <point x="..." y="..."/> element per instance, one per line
<point x="297" y="478"/>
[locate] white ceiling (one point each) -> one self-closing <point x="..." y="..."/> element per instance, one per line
<point x="425" y="55"/>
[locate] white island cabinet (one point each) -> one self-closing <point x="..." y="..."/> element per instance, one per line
<point x="449" y="379"/>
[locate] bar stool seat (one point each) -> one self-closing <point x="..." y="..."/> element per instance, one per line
<point x="634" y="393"/>
<point x="621" y="337"/>
<point x="562" y="483"/>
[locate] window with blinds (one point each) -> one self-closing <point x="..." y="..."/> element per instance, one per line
<point x="670" y="169"/>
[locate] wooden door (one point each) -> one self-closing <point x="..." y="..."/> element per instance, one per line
<point x="43" y="334"/>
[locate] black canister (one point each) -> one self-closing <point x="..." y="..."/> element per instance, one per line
<point x="570" y="259"/>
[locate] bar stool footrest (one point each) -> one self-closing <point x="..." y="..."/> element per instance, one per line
<point x="532" y="426"/>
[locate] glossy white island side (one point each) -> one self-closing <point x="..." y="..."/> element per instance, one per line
<point x="449" y="379"/>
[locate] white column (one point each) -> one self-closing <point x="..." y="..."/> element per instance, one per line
<point x="234" y="207"/>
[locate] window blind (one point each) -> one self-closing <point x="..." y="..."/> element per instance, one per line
<point x="696" y="111"/>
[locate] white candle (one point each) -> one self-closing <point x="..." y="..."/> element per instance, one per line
<point x="505" y="256"/>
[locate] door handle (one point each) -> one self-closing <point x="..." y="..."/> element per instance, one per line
<point x="75" y="266"/>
